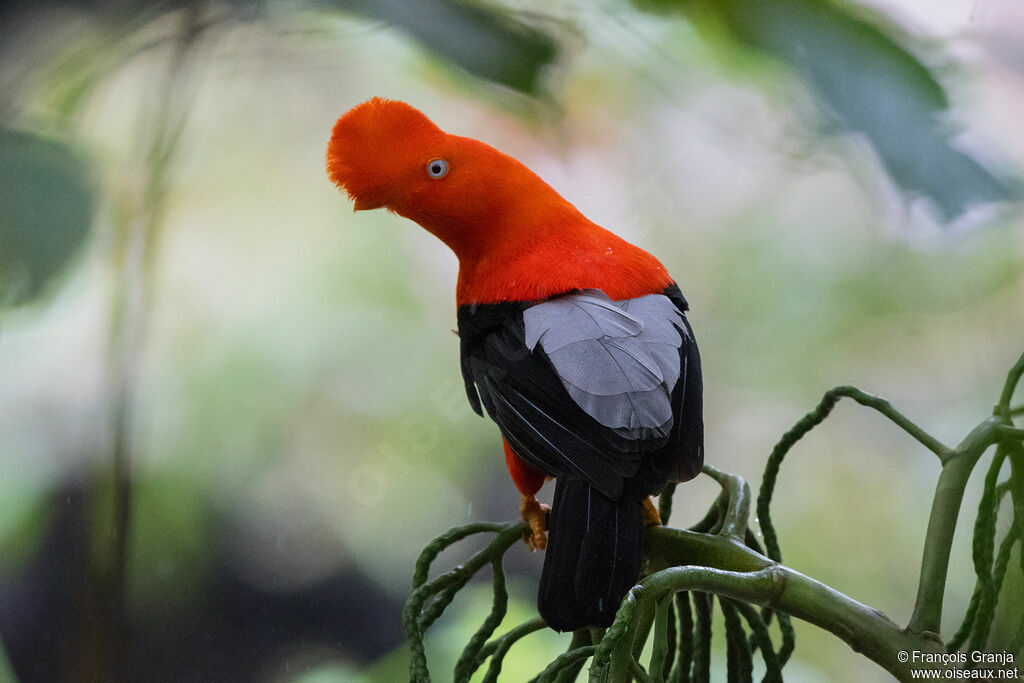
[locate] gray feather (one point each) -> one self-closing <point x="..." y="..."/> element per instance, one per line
<point x="607" y="365"/>
<point x="618" y="360"/>
<point x="587" y="315"/>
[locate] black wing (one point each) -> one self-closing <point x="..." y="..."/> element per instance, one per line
<point x="584" y="386"/>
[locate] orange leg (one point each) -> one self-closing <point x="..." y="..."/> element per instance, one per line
<point x="536" y="515"/>
<point x="529" y="481"/>
<point x="651" y="514"/>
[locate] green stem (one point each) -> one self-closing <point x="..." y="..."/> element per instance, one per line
<point x="737" y="509"/>
<point x="1012" y="379"/>
<point x="638" y="672"/>
<point x="760" y="636"/>
<point x="739" y="661"/>
<point x="1010" y="433"/>
<point x="703" y="609"/>
<point x="680" y="672"/>
<point x="659" y="651"/>
<point x="499" y="647"/>
<point x="415" y="618"/>
<point x="580" y="638"/>
<point x="986" y="609"/>
<point x="563" y="661"/>
<point x="983" y="545"/>
<point x="713" y="517"/>
<point x="885" y="408"/>
<point x="472" y="657"/>
<point x="434" y="548"/>
<point x="866" y="630"/>
<point x="668" y="547"/>
<point x="949" y="493"/>
<point x="809" y="422"/>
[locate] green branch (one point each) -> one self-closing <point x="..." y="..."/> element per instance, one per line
<point x="720" y="556"/>
<point x="809" y="422"/>
<point x="1009" y="387"/>
<point x="428" y="600"/>
<point x="762" y="639"/>
<point x="866" y="630"/>
<point x="472" y="657"/>
<point x="499" y="647"/>
<point x="737" y="509"/>
<point x="562" y="662"/>
<point x="957" y="465"/>
<point x="660" y="650"/>
<point x="580" y="638"/>
<point x="949" y="493"/>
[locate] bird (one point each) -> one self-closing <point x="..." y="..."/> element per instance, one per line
<point x="573" y="340"/>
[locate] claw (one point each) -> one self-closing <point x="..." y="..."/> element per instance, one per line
<point x="535" y="514"/>
<point x="651" y="514"/>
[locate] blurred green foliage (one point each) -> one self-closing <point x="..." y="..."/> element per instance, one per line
<point x="859" y="67"/>
<point x="482" y="38"/>
<point x="46" y="206"/>
<point x="864" y="72"/>
<point x="297" y="375"/>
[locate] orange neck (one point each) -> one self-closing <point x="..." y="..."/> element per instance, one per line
<point x="522" y="241"/>
<point x="551" y="257"/>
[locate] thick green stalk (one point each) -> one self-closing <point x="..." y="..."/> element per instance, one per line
<point x="737" y="510"/>
<point x="865" y="629"/>
<point x="949" y="493"/>
<point x="667" y="547"/>
<point x="720" y="557"/>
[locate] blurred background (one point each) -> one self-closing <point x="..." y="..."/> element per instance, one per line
<point x="230" y="409"/>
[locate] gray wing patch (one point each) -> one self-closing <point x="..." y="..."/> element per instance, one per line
<point x="619" y="360"/>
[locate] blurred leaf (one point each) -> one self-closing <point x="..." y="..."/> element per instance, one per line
<point x="485" y="41"/>
<point x="6" y="670"/>
<point x="46" y="205"/>
<point x="24" y="516"/>
<point x="870" y="83"/>
<point x="170" y="542"/>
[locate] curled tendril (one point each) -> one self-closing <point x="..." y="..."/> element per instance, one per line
<point x="720" y="561"/>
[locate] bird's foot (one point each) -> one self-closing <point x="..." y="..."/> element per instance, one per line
<point x="535" y="514"/>
<point x="651" y="514"/>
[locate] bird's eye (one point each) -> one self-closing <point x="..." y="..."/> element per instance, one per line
<point x="437" y="168"/>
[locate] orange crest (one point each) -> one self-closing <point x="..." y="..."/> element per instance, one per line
<point x="374" y="145"/>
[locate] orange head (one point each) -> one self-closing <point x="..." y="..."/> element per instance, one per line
<point x="385" y="153"/>
<point x="376" y="152"/>
<point x="516" y="238"/>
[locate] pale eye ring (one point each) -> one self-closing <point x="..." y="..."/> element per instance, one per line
<point x="437" y="168"/>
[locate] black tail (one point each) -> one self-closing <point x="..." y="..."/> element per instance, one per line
<point x="595" y="548"/>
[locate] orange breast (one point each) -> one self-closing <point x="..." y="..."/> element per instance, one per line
<point x="594" y="259"/>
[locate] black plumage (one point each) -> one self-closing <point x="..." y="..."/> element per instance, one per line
<point x="604" y="438"/>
